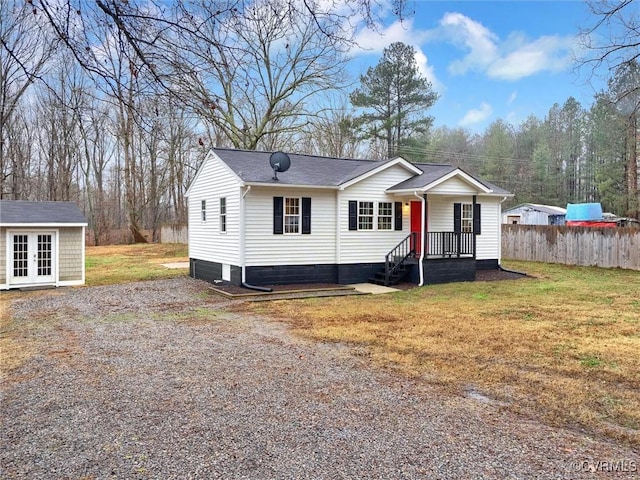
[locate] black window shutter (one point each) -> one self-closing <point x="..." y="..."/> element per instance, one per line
<point x="306" y="215"/>
<point x="457" y="217"/>
<point x="277" y="215"/>
<point x="353" y="215"/>
<point x="476" y="218"/>
<point x="397" y="206"/>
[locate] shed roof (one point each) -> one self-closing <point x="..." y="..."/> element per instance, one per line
<point x="548" y="209"/>
<point x="16" y="212"/>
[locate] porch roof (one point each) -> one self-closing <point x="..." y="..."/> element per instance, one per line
<point x="432" y="172"/>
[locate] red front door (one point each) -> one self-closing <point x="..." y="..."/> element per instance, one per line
<point x="416" y="225"/>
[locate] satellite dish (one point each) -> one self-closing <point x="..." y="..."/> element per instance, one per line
<point x="280" y="162"/>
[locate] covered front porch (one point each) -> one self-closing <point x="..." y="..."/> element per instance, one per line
<point x="447" y="257"/>
<point x="442" y="243"/>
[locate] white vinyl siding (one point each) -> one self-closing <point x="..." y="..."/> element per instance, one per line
<point x="263" y="247"/>
<point x="455" y="186"/>
<point x="3" y="257"/>
<point x="206" y="241"/>
<point x="488" y="244"/>
<point x="370" y="246"/>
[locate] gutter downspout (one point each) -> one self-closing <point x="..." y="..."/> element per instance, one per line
<point x="500" y="236"/>
<point x="242" y="234"/>
<point x="422" y="232"/>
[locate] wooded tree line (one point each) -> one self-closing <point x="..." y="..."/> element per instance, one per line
<point x="114" y="104"/>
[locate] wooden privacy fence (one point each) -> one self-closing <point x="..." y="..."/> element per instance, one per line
<point x="173" y="234"/>
<point x="602" y="247"/>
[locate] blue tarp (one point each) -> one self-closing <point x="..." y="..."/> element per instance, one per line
<point x="584" y="211"/>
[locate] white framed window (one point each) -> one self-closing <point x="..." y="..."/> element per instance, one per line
<point x="365" y="215"/>
<point x="292" y="215"/>
<point x="223" y="214"/>
<point x="467" y="217"/>
<point x="203" y="210"/>
<point x="385" y="216"/>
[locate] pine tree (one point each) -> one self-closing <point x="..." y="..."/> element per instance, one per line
<point x="395" y="97"/>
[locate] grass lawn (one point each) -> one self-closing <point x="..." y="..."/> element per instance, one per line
<point x="113" y="264"/>
<point x="564" y="345"/>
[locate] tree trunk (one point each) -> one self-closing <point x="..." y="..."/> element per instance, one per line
<point x="632" y="168"/>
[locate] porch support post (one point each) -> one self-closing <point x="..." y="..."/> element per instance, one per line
<point x="423" y="230"/>
<point x="425" y="226"/>
<point x="473" y="227"/>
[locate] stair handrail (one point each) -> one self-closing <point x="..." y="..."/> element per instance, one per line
<point x="404" y="249"/>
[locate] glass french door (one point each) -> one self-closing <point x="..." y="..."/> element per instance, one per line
<point x="32" y="258"/>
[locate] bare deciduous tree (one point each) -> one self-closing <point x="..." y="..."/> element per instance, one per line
<point x="23" y="57"/>
<point x="252" y="76"/>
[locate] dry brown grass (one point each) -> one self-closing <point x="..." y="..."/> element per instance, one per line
<point x="113" y="264"/>
<point x="564" y="346"/>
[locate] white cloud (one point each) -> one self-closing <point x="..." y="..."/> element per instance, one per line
<point x="476" y="115"/>
<point x="511" y="59"/>
<point x="549" y="53"/>
<point x="512" y="97"/>
<point x="469" y="34"/>
<point x="427" y="70"/>
<point x="375" y="40"/>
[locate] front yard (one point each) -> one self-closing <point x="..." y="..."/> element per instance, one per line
<point x="563" y="345"/>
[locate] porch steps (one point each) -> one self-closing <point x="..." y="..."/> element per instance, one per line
<point x="396" y="277"/>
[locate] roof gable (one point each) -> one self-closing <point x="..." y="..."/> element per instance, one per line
<point x="17" y="212"/>
<point x="211" y="157"/>
<point x="382" y="166"/>
<point x="434" y="174"/>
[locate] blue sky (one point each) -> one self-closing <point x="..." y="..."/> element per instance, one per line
<point x="490" y="59"/>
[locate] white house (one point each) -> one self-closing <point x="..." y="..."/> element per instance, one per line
<point x="41" y="244"/>
<point x="534" y="214"/>
<point x="335" y="220"/>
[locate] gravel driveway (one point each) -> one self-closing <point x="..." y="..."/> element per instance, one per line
<point x="157" y="380"/>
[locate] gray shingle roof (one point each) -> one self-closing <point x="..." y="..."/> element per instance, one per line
<point x="31" y="213"/>
<point x="432" y="172"/>
<point x="253" y="167"/>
